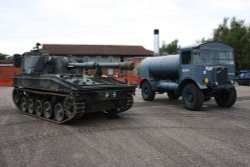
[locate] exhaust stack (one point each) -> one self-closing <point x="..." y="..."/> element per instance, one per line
<point x="156" y="42"/>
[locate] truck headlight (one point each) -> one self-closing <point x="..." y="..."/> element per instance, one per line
<point x="206" y="80"/>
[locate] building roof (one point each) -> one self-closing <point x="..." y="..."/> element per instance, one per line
<point x="114" y="50"/>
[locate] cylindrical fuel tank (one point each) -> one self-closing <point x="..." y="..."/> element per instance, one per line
<point x="164" y="67"/>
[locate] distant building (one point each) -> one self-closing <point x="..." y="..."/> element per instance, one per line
<point x="101" y="53"/>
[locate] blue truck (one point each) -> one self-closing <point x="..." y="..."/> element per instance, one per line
<point x="197" y="73"/>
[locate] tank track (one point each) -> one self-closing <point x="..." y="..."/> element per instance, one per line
<point x="129" y="104"/>
<point x="70" y="107"/>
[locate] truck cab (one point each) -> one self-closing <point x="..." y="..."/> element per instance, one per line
<point x="210" y="65"/>
<point x="197" y="73"/>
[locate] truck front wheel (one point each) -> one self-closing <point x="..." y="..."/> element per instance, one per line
<point x="192" y="97"/>
<point x="147" y="93"/>
<point x="226" y="98"/>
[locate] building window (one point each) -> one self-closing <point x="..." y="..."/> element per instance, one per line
<point x="122" y="73"/>
<point x="98" y="58"/>
<point x="110" y="59"/>
<point x="110" y="71"/>
<point x="121" y="59"/>
<point x="85" y="58"/>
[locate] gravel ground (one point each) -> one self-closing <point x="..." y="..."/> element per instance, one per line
<point x="158" y="133"/>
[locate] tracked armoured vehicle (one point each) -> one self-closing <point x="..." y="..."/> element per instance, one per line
<point x="55" y="89"/>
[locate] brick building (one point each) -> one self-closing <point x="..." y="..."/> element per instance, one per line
<point x="88" y="53"/>
<point x="104" y="53"/>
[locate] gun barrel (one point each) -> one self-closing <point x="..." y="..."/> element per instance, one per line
<point x="83" y="65"/>
<point x="123" y="65"/>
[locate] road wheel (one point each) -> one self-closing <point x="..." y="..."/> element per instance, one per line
<point x="38" y="108"/>
<point x="59" y="112"/>
<point x="23" y="104"/>
<point x="16" y="97"/>
<point x="146" y="91"/>
<point x="226" y="98"/>
<point x="192" y="97"/>
<point x="47" y="110"/>
<point x="172" y="95"/>
<point x="30" y="104"/>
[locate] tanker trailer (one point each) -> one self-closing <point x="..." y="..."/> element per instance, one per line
<point x="197" y="73"/>
<point x="55" y="89"/>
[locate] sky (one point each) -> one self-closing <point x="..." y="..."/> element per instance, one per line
<point x="23" y="23"/>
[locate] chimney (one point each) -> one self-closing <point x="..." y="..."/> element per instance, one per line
<point x="156" y="42"/>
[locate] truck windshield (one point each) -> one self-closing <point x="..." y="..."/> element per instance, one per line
<point x="215" y="57"/>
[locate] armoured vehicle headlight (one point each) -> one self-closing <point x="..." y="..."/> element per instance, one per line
<point x="114" y="94"/>
<point x="106" y="94"/>
<point x="205" y="80"/>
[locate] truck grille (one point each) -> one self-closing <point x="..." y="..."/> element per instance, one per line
<point x="221" y="74"/>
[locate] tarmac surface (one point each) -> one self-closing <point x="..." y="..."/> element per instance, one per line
<point x="158" y="133"/>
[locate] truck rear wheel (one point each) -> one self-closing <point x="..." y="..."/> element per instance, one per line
<point x="172" y="95"/>
<point x="226" y="98"/>
<point x="192" y="97"/>
<point x="146" y="91"/>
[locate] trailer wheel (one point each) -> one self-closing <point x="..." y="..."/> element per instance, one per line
<point x="192" y="97"/>
<point x="146" y="91"/>
<point x="172" y="95"/>
<point x="226" y="98"/>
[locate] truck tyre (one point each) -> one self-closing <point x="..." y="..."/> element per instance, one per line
<point x="192" y="97"/>
<point x="172" y="95"/>
<point x="146" y="91"/>
<point x="226" y="98"/>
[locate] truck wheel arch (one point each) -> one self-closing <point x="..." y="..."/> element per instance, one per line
<point x="152" y="83"/>
<point x="184" y="83"/>
<point x="142" y="81"/>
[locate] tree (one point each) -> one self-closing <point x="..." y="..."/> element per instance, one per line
<point x="171" y="48"/>
<point x="236" y="34"/>
<point x="3" y="56"/>
<point x="204" y="40"/>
